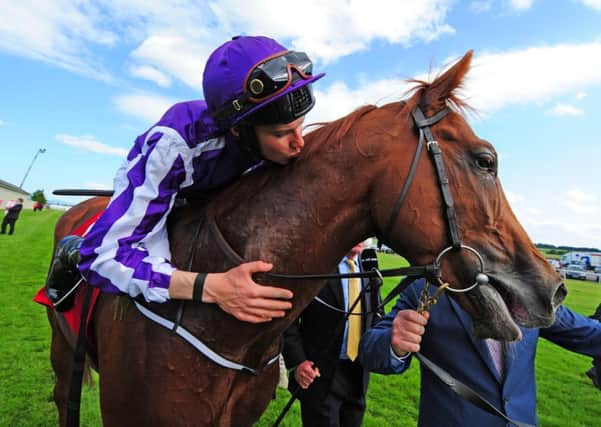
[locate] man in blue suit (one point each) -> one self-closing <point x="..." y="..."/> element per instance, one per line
<point x="502" y="373"/>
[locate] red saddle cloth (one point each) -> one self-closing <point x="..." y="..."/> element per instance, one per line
<point x="73" y="315"/>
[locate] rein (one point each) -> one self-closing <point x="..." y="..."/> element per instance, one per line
<point x="428" y="270"/>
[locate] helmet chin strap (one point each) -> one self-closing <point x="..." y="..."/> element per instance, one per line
<point x="248" y="141"/>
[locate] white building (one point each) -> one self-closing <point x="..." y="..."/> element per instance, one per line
<point x="10" y="192"/>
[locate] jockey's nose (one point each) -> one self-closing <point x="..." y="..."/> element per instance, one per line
<point x="297" y="139"/>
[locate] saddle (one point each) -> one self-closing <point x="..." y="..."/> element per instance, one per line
<point x="71" y="308"/>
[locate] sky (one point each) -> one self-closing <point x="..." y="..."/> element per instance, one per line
<point x="81" y="79"/>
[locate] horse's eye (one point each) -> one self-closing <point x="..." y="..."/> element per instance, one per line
<point x="486" y="162"/>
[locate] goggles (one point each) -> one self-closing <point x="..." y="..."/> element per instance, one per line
<point x="267" y="79"/>
<point x="271" y="77"/>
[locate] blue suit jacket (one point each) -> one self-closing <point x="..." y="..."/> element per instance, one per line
<point x="448" y="342"/>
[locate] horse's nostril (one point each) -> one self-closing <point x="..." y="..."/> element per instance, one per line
<point x="560" y="295"/>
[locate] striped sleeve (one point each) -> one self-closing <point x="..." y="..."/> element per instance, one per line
<point x="127" y="250"/>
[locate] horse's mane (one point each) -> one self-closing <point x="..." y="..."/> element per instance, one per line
<point x="445" y="87"/>
<point x="333" y="132"/>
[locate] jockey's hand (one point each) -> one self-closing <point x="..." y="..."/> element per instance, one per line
<point x="236" y="293"/>
<point x="305" y="373"/>
<point x="408" y="327"/>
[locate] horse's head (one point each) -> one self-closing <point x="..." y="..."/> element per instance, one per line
<point x="522" y="288"/>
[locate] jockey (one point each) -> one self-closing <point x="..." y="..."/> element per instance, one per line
<point x="256" y="96"/>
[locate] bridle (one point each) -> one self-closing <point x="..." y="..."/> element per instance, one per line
<point x="425" y="136"/>
<point x="429" y="271"/>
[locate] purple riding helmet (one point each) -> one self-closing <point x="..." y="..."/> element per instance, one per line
<point x="252" y="81"/>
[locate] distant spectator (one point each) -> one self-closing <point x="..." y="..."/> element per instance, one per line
<point x="37" y="206"/>
<point x="11" y="216"/>
<point x="333" y="393"/>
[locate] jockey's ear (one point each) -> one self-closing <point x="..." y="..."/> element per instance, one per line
<point x="235" y="130"/>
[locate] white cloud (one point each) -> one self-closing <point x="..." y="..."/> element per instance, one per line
<point x="534" y="211"/>
<point x="529" y="76"/>
<point x="595" y="4"/>
<point x="60" y="32"/>
<point x="579" y="201"/>
<point x="336" y="28"/>
<point x="532" y="75"/>
<point x="565" y="233"/>
<point x="150" y="73"/>
<point x="552" y="219"/>
<point x="90" y="143"/>
<point x="176" y="36"/>
<point x="338" y="99"/>
<point x="176" y="56"/>
<point x="2" y="122"/>
<point x="146" y="107"/>
<point x="481" y="6"/>
<point x="513" y="197"/>
<point x="567" y="110"/>
<point x="521" y="4"/>
<point x="580" y="95"/>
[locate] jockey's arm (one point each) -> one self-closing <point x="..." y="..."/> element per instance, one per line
<point x="235" y="292"/>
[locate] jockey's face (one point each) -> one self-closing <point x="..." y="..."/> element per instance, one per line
<point x="281" y="143"/>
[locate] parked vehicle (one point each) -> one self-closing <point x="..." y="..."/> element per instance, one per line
<point x="594" y="275"/>
<point x="589" y="259"/>
<point x="554" y="263"/>
<point x="574" y="271"/>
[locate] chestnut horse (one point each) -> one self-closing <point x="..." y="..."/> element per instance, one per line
<point x="303" y="218"/>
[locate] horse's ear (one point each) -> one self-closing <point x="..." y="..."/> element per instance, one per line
<point x="442" y="88"/>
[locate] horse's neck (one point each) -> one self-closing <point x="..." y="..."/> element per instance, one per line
<point x="303" y="226"/>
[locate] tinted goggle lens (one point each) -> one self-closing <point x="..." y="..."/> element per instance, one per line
<point x="277" y="73"/>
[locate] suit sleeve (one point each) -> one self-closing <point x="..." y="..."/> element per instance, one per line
<point x="575" y="332"/>
<point x="375" y="353"/>
<point x="293" y="351"/>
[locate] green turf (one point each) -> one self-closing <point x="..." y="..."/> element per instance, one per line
<point x="565" y="395"/>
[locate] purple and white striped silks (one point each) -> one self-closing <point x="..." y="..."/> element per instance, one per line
<point x="127" y="250"/>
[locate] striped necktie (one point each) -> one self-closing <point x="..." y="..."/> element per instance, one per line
<point x="498" y="355"/>
<point x="354" y="319"/>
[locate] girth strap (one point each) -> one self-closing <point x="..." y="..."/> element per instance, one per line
<point x="199" y="345"/>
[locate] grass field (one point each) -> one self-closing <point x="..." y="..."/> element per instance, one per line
<point x="565" y="395"/>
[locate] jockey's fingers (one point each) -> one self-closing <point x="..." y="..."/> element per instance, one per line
<point x="257" y="266"/>
<point x="271" y="293"/>
<point x="249" y="317"/>
<point x="265" y="313"/>
<point x="268" y="304"/>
